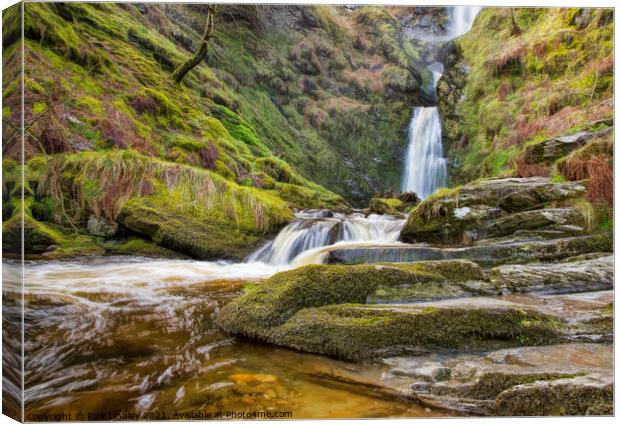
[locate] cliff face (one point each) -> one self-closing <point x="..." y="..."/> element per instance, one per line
<point x="519" y="77"/>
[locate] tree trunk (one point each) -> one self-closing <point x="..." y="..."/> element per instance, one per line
<point x="515" y="30"/>
<point x="200" y="54"/>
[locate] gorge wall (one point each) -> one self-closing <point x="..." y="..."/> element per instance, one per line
<point x="519" y="77"/>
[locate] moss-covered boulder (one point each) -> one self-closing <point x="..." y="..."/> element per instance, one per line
<point x="357" y="332"/>
<point x="324" y="309"/>
<point x="460" y="215"/>
<point x="188" y="233"/>
<point x="37" y="236"/>
<point x="278" y="298"/>
<point x="584" y="395"/>
<point x="385" y="206"/>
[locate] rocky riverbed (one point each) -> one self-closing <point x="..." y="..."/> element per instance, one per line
<point x="500" y="303"/>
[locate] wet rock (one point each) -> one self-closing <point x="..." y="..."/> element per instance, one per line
<point x="321" y="309"/>
<point x="590" y="394"/>
<point x="570" y="277"/>
<point x="325" y="213"/>
<point x="355" y="332"/>
<point x="101" y="227"/>
<point x="462" y="214"/>
<point x="535" y="219"/>
<point x="485" y="253"/>
<point x="561" y="379"/>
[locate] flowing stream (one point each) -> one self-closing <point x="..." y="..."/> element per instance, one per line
<point x="136" y="337"/>
<point x="425" y="167"/>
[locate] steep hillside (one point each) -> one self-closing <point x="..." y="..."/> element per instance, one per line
<point x="519" y="77"/>
<point x="287" y="99"/>
<point x="327" y="90"/>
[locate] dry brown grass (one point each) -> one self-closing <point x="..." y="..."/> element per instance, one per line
<point x="525" y="170"/>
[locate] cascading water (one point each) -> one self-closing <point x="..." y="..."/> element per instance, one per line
<point x="425" y="166"/>
<point x="312" y="230"/>
<point x="461" y="19"/>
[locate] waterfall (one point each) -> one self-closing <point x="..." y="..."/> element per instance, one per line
<point x="315" y="229"/>
<point x="461" y="19"/>
<point x="425" y="166"/>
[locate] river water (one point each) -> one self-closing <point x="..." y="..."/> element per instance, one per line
<point x="120" y="337"/>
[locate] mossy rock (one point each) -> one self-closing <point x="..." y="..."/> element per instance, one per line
<point x="275" y="300"/>
<point x="37" y="236"/>
<point x="575" y="396"/>
<point x="458" y="215"/>
<point x="135" y="246"/>
<point x="320" y="309"/>
<point x="184" y="232"/>
<point x="385" y="206"/>
<point x="356" y="332"/>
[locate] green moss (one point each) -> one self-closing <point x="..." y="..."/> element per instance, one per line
<point x="33" y="86"/>
<point x="385" y="206"/>
<point x="38" y="237"/>
<point x="138" y="247"/>
<point x="353" y="332"/>
<point x="93" y="105"/>
<point x="563" y="397"/>
<point x="38" y="107"/>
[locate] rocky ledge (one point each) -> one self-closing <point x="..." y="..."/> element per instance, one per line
<point x="500" y="207"/>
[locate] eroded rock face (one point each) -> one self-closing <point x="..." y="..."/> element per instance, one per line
<point x="538" y="157"/>
<point x="569" y="277"/>
<point x="486" y="252"/>
<point x="492" y="208"/>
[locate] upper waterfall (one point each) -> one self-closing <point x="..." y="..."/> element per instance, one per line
<point x="461" y="19"/>
<point x="425" y="166"/>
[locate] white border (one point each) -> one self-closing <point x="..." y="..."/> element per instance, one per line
<point x="522" y="3"/>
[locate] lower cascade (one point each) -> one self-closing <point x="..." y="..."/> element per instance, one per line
<point x="315" y="229"/>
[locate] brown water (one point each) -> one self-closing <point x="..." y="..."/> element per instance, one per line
<point x="128" y="338"/>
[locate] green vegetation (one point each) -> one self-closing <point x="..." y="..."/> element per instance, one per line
<point x="552" y="78"/>
<point x="318" y="308"/>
